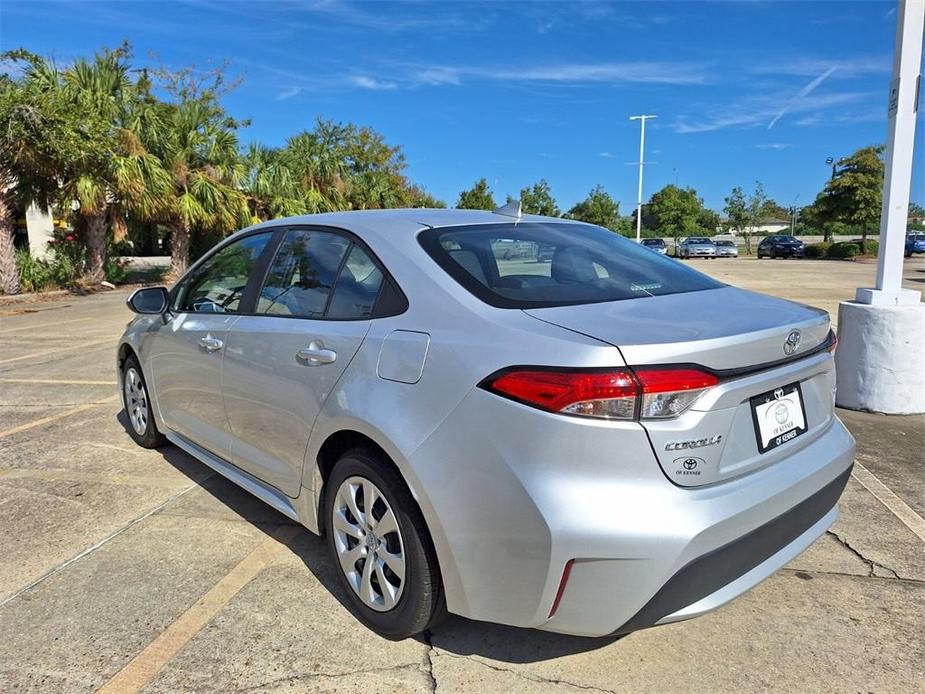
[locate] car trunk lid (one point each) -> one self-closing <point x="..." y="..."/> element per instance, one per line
<point x="740" y="336"/>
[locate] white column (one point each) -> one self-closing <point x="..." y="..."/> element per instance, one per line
<point x="881" y="335"/>
<point x="40" y="228"/>
<point x="642" y="151"/>
<point x="907" y="57"/>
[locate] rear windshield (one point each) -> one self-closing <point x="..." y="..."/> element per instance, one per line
<point x="653" y="242"/>
<point x="539" y="264"/>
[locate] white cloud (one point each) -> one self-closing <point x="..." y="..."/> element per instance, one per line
<point x="289" y="93"/>
<point x="607" y="155"/>
<point x="774" y="145"/>
<point x="654" y="72"/>
<point x="366" y="82"/>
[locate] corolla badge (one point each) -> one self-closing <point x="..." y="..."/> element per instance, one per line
<point x="693" y="443"/>
<point x="792" y="343"/>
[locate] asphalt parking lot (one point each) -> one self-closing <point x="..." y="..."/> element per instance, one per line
<point x="131" y="569"/>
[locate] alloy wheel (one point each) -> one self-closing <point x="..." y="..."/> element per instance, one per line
<point x="136" y="401"/>
<point x="368" y="543"/>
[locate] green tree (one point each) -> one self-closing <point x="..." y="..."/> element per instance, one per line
<point x="736" y="210"/>
<point x="708" y="221"/>
<point x="674" y="211"/>
<point x="478" y="197"/>
<point x="855" y="194"/>
<point x="38" y="130"/>
<point x="269" y="185"/>
<point x="598" y="208"/>
<point x="198" y="145"/>
<point x="756" y="206"/>
<point x="110" y="174"/>
<point x="774" y="210"/>
<point x="538" y="199"/>
<point x="418" y="197"/>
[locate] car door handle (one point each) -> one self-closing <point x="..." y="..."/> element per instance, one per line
<point x="211" y="344"/>
<point x="316" y="354"/>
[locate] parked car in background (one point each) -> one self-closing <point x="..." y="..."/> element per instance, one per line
<point x="657" y="245"/>
<point x="592" y="446"/>
<point x="726" y="249"/>
<point x="780" y="247"/>
<point x="915" y="243"/>
<point x="696" y="247"/>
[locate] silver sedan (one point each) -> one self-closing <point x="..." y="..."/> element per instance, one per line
<point x="583" y="436"/>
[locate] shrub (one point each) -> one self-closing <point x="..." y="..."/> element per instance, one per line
<point x="872" y="246"/>
<point x="844" y="250"/>
<point x="34" y="274"/>
<point x="817" y="250"/>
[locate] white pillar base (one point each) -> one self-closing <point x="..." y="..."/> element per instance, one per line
<point x="880" y="359"/>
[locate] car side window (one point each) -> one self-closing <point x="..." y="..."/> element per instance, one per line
<point x="303" y="274"/>
<point x="357" y="287"/>
<point x="217" y="285"/>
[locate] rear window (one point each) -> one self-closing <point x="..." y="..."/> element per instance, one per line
<point x="653" y="242"/>
<point x="539" y="264"/>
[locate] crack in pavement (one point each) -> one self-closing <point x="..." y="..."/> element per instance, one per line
<point x="291" y="679"/>
<point x="523" y="675"/>
<point x="428" y="660"/>
<point x="872" y="565"/>
<point x="850" y="575"/>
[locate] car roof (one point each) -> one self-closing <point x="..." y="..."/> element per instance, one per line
<point x="395" y="223"/>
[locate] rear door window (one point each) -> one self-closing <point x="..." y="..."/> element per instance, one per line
<point x="538" y="264"/>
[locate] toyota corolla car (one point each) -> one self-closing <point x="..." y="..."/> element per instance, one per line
<point x="696" y="247"/>
<point x="594" y="445"/>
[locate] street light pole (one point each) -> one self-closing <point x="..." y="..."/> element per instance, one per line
<point x="642" y="148"/>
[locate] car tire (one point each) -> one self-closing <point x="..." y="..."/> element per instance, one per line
<point x="137" y="406"/>
<point x="418" y="592"/>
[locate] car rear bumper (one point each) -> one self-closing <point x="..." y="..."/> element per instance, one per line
<point x="535" y="492"/>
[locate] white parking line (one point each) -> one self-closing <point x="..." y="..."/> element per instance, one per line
<point x="885" y="496"/>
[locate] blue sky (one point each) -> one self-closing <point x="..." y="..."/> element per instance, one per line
<point x="519" y="91"/>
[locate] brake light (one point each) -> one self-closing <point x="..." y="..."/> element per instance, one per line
<point x="609" y="394"/>
<point x="646" y="393"/>
<point x="834" y="343"/>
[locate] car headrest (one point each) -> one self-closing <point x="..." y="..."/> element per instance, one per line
<point x="572" y="265"/>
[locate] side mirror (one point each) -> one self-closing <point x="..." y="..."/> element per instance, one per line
<point x="149" y="300"/>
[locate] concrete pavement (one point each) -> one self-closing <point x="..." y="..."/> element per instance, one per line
<point x="145" y="570"/>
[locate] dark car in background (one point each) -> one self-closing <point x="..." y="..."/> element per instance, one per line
<point x="657" y="245"/>
<point x="915" y="243"/>
<point x="780" y="247"/>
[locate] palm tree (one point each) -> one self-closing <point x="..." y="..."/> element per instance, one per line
<point x="115" y="174"/>
<point x="198" y="146"/>
<point x="271" y="189"/>
<point x="38" y="131"/>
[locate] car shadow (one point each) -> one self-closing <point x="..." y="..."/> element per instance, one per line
<point x="456" y="635"/>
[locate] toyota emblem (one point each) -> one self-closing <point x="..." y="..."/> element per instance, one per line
<point x="792" y="343"/>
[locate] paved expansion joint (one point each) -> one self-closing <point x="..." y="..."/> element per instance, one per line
<point x="875" y="568"/>
<point x="309" y="676"/>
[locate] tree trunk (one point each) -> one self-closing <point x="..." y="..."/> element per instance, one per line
<point x="9" y="273"/>
<point x="179" y="249"/>
<point x="864" y="241"/>
<point x="96" y="245"/>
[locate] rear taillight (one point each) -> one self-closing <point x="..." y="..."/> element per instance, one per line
<point x="833" y="342"/>
<point x="669" y="392"/>
<point x="646" y="393"/>
<point x="609" y="394"/>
